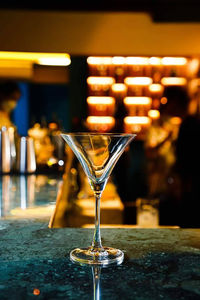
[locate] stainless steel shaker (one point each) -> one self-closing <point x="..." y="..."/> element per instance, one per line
<point x="26" y="157"/>
<point x="11" y="132"/>
<point x="5" y="151"/>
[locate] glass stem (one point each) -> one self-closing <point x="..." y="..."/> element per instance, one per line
<point x="96" y="244"/>
<point x="96" y="271"/>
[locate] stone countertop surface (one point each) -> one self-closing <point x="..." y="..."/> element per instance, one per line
<point x="158" y="264"/>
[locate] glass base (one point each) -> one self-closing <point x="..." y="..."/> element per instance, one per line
<point x="104" y="257"/>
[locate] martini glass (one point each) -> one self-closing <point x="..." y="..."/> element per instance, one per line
<point x="97" y="153"/>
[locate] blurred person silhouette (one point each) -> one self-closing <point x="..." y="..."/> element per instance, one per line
<point x="163" y="177"/>
<point x="9" y="96"/>
<point x="120" y="172"/>
<point x="129" y="172"/>
<point x="188" y="166"/>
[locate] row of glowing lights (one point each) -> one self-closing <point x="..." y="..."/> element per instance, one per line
<point x="121" y="87"/>
<point x="133" y="60"/>
<point x="95" y="100"/>
<point x="117" y="60"/>
<point x="42" y="58"/>
<point x="99" y="120"/>
<point x="152" y="114"/>
<point x="143" y="81"/>
<point x="63" y="59"/>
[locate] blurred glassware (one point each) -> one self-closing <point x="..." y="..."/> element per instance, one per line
<point x="26" y="156"/>
<point x="43" y="146"/>
<point x="11" y="132"/>
<point x="58" y="144"/>
<point x="147" y="213"/>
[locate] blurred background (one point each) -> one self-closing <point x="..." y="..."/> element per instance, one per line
<point x="106" y="67"/>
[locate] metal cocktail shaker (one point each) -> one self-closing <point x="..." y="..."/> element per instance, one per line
<point x="26" y="157"/>
<point x="5" y="151"/>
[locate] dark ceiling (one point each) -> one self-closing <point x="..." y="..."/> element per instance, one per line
<point x="160" y="10"/>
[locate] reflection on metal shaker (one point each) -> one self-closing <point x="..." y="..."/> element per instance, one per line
<point x="26" y="158"/>
<point x="5" y="157"/>
<point x="5" y="183"/>
<point x="11" y="132"/>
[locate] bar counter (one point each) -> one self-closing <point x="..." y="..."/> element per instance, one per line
<point x="159" y="263"/>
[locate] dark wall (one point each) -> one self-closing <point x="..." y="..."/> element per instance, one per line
<point x="50" y="102"/>
<point x="78" y="89"/>
<point x="65" y="103"/>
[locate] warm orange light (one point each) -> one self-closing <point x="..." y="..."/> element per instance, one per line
<point x="174" y="61"/>
<point x="36" y="292"/>
<point x="52" y="161"/>
<point x="155" y="61"/>
<point x="118" y="60"/>
<point x="93" y="60"/>
<point x="100" y="120"/>
<point x="193" y="67"/>
<point x="138" y="81"/>
<point x="53" y="125"/>
<point x="119" y="87"/>
<point x="154" y="114"/>
<point x="100" y="100"/>
<point x="176" y="120"/>
<point x="137" y="101"/>
<point x="49" y="61"/>
<point x="137" y="60"/>
<point x="163" y="100"/>
<point x="100" y="123"/>
<point x="193" y="106"/>
<point x="33" y="212"/>
<point x="156" y="87"/>
<point x="58" y="59"/>
<point x="100" y="80"/>
<point x="175" y="81"/>
<point x="137" y="120"/>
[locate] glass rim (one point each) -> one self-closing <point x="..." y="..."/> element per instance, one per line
<point x="117" y="134"/>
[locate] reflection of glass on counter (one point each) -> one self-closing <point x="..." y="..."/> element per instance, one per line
<point x="28" y="196"/>
<point x="96" y="272"/>
<point x="4" y="195"/>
